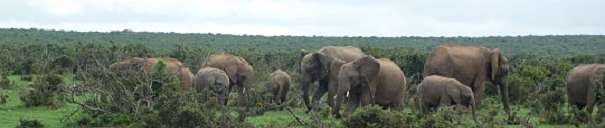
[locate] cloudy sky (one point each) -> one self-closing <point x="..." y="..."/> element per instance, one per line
<point x="313" y="17"/>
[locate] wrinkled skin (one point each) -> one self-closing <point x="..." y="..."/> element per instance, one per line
<point x="280" y="83"/>
<point x="435" y="91"/>
<point x="213" y="81"/>
<point x="472" y="66"/>
<point x="583" y="83"/>
<point x="323" y="66"/>
<point x="370" y="81"/>
<point x="146" y="64"/>
<point x="240" y="72"/>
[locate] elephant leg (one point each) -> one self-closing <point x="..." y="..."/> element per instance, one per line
<point x="332" y="90"/>
<point x="478" y="91"/>
<point x="305" y="95"/>
<point x="590" y="100"/>
<point x="323" y="88"/>
<point x="275" y="98"/>
<point x="284" y="94"/>
<point x="354" y="100"/>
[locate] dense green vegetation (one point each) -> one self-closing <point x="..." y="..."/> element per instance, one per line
<point x="31" y="57"/>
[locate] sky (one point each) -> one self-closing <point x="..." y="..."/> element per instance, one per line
<point x="313" y="17"/>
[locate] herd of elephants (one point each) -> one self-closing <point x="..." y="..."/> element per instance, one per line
<point x="453" y="75"/>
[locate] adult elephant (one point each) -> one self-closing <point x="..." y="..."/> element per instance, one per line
<point x="370" y="81"/>
<point x="584" y="82"/>
<point x="472" y="66"/>
<point x="214" y="81"/>
<point x="240" y="72"/>
<point x="323" y="66"/>
<point x="173" y="66"/>
<point x="435" y="91"/>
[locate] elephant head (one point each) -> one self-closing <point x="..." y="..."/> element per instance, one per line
<point x="466" y="98"/>
<point x="499" y="70"/>
<point x="357" y="75"/>
<point x="313" y="67"/>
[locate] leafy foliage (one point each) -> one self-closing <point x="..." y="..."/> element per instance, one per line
<point x="24" y="123"/>
<point x="46" y="90"/>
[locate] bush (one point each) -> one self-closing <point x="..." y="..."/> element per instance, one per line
<point x="44" y="91"/>
<point x="374" y="117"/>
<point x="5" y="82"/>
<point x="26" y="77"/>
<point x="25" y="123"/>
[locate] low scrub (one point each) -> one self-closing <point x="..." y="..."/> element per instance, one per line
<point x="45" y="91"/>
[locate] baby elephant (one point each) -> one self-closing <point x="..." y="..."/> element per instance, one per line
<point x="280" y="83"/>
<point x="213" y="81"/>
<point x="435" y="90"/>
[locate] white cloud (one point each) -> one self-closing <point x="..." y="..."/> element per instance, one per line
<point x="313" y="17"/>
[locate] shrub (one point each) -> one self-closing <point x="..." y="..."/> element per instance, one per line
<point x="44" y="91"/>
<point x="25" y="123"/>
<point x="374" y="117"/>
<point x="5" y="82"/>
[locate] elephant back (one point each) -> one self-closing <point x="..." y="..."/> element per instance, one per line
<point x="344" y="53"/>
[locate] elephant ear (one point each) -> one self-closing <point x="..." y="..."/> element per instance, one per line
<point x="367" y="66"/>
<point x="303" y="52"/>
<point x="323" y="61"/>
<point x="495" y="62"/>
<point x="454" y="92"/>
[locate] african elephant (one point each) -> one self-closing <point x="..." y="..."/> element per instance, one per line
<point x="437" y="90"/>
<point x="370" y="81"/>
<point x="472" y="66"/>
<point x="173" y="66"/>
<point x="584" y="82"/>
<point x="214" y="81"/>
<point x="280" y="83"/>
<point x="323" y="66"/>
<point x="240" y="72"/>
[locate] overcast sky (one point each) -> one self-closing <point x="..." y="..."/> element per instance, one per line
<point x="313" y="17"/>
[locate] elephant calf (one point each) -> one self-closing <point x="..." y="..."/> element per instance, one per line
<point x="436" y="90"/>
<point x="584" y="82"/>
<point x="213" y="81"/>
<point x="280" y="83"/>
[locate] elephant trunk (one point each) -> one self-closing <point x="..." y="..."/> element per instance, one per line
<point x="473" y="105"/>
<point x="504" y="95"/>
<point x="343" y="88"/>
<point x="305" y="89"/>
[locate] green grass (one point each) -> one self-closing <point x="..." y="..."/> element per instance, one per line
<point x="285" y="119"/>
<point x="14" y="109"/>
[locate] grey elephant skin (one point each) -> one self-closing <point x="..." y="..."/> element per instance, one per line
<point x="435" y="91"/>
<point x="370" y="81"/>
<point x="323" y="66"/>
<point x="212" y="81"/>
<point x="240" y="72"/>
<point x="583" y="84"/>
<point x="472" y="66"/>
<point x="280" y="84"/>
<point x="145" y="65"/>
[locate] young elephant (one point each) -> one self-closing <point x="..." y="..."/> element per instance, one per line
<point x="436" y="90"/>
<point x="214" y="81"/>
<point x="280" y="83"/>
<point x="370" y="81"/>
<point x="583" y="84"/>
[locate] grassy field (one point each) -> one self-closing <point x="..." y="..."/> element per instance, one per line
<point x="14" y="110"/>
